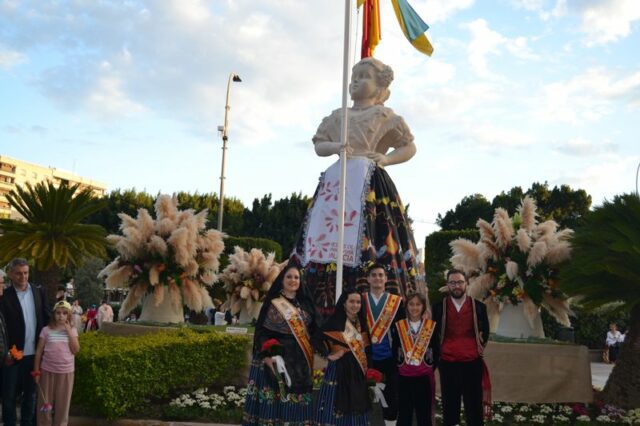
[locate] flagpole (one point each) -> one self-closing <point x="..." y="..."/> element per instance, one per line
<point x="344" y="141"/>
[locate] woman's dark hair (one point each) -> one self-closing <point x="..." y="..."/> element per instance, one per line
<point x="339" y="317"/>
<point x="303" y="295"/>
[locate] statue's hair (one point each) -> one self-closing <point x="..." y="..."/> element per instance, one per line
<point x="383" y="74"/>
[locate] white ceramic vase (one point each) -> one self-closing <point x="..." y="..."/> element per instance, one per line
<point x="165" y="312"/>
<point x="514" y="323"/>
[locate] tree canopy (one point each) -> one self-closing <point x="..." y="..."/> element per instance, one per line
<point x="561" y="203"/>
<point x="278" y="220"/>
<point x="605" y="270"/>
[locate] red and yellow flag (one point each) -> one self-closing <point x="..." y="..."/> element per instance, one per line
<point x="370" y="26"/>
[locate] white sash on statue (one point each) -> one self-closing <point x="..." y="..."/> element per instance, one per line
<point x="321" y="229"/>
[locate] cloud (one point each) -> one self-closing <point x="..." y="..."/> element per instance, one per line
<point x="579" y="147"/>
<point x="172" y="59"/>
<point x="589" y="96"/>
<point x="493" y="137"/>
<point x="602" y="21"/>
<point x="612" y="174"/>
<point x="485" y="41"/>
<point x="441" y="10"/>
<point x="10" y="58"/>
<point x="606" y="21"/>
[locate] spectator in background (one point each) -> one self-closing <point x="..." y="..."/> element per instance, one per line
<point x="24" y="308"/>
<point x="92" y="314"/>
<point x="76" y="311"/>
<point x="613" y="342"/>
<point x="61" y="293"/>
<point x="105" y="313"/>
<point x="3" y="332"/>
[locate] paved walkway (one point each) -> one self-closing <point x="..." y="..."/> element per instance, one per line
<point x="600" y="373"/>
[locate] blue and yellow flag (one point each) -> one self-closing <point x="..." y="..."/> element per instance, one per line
<point x="412" y="26"/>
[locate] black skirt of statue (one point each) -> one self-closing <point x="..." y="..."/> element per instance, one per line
<point x="387" y="239"/>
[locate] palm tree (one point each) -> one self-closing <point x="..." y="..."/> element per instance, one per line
<point x="53" y="235"/>
<point x="605" y="271"/>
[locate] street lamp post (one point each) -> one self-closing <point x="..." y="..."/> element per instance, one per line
<point x="637" y="173"/>
<point x="224" y="129"/>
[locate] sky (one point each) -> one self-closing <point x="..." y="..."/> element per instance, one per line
<point x="131" y="93"/>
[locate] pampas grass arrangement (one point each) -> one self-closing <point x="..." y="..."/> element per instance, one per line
<point x="516" y="261"/>
<point x="247" y="279"/>
<point x="173" y="255"/>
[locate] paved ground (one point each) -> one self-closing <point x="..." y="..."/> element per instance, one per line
<point x="600" y="373"/>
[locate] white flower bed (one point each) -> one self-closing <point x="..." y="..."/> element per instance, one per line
<point x="229" y="398"/>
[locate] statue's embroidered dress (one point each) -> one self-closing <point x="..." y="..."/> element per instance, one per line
<point x="385" y="235"/>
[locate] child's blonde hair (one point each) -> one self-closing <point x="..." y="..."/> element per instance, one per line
<point x="63" y="304"/>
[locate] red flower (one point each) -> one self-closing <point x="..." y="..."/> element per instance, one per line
<point x="266" y="346"/>
<point x="580" y="409"/>
<point x="374" y="375"/>
<point x="271" y="347"/>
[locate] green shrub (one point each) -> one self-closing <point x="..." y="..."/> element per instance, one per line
<point x="437" y="255"/>
<point x="589" y="327"/>
<point x="117" y="375"/>
<point x="248" y="243"/>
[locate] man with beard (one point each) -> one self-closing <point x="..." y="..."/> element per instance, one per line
<point x="461" y="333"/>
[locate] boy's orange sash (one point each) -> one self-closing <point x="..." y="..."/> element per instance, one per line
<point x="379" y="327"/>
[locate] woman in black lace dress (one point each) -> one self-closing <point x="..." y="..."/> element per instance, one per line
<point x="287" y="315"/>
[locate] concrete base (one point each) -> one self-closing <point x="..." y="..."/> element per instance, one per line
<point x="539" y="373"/>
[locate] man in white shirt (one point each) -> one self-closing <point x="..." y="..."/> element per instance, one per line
<point x="25" y="310"/>
<point x="613" y="340"/>
<point x="105" y="313"/>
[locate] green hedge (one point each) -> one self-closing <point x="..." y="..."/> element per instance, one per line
<point x="248" y="243"/>
<point x="117" y="375"/>
<point x="437" y="255"/>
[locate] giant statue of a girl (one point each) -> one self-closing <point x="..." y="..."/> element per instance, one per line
<point x="376" y="225"/>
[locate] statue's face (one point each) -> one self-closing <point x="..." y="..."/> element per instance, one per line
<point x="363" y="83"/>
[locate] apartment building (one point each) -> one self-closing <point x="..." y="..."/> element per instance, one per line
<point x="16" y="172"/>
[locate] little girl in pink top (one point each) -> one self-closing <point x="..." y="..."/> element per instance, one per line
<point x="54" y="366"/>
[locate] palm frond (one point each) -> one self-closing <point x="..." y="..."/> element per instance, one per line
<point x="606" y="255"/>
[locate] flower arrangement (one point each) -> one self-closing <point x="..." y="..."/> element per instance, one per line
<point x="15" y="354"/>
<point x="247" y="279"/>
<point x="317" y="377"/>
<point x="373" y="376"/>
<point x="516" y="261"/>
<point x="271" y="347"/>
<point x="172" y="255"/>
<point x="374" y="380"/>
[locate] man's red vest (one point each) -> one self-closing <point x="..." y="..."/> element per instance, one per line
<point x="459" y="344"/>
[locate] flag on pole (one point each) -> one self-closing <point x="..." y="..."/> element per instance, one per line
<point x="412" y="26"/>
<point x="370" y="26"/>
